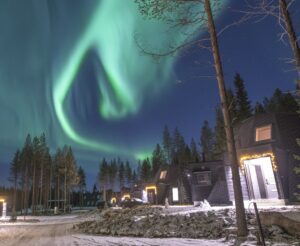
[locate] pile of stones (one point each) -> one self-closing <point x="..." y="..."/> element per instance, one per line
<point x="147" y="221"/>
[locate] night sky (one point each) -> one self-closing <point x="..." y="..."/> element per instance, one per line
<point x="72" y="69"/>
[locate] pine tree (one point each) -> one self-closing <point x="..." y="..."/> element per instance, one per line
<point x="113" y="170"/>
<point x="128" y="174"/>
<point x="121" y="175"/>
<point x="244" y="110"/>
<point x="259" y="108"/>
<point x="14" y="176"/>
<point x="138" y="170"/>
<point x="146" y="170"/>
<point x="194" y="152"/>
<point x="81" y="184"/>
<point x="36" y="158"/>
<point x="207" y="141"/>
<point x="104" y="176"/>
<point x="134" y="177"/>
<point x="220" y="136"/>
<point x="187" y="155"/>
<point x="94" y="194"/>
<point x="281" y="102"/>
<point x="26" y="163"/>
<point x="70" y="174"/>
<point x="167" y="144"/>
<point x="44" y="171"/>
<point x="158" y="159"/>
<point x="178" y="148"/>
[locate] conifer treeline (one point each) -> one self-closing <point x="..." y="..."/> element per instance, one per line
<point x="115" y="174"/>
<point x="38" y="177"/>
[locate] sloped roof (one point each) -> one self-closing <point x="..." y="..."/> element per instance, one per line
<point x="285" y="130"/>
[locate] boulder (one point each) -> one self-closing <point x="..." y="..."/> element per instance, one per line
<point x="282" y="220"/>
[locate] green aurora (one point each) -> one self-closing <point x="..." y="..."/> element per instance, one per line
<point x="112" y="33"/>
<point x="46" y="49"/>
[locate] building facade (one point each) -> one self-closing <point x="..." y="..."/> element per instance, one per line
<point x="266" y="146"/>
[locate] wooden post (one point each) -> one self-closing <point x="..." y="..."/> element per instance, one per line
<point x="261" y="233"/>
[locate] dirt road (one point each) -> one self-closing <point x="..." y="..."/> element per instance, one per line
<point x="37" y="234"/>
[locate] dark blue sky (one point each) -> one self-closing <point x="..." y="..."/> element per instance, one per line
<point x="38" y="37"/>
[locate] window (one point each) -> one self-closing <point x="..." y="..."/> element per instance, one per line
<point x="175" y="194"/>
<point x="263" y="133"/>
<point x="163" y="175"/>
<point x="203" y="178"/>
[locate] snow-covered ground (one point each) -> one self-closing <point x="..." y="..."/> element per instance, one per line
<point x="58" y="230"/>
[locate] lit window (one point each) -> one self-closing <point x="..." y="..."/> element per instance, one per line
<point x="163" y="175"/>
<point x="203" y="178"/>
<point x="263" y="133"/>
<point x="175" y="194"/>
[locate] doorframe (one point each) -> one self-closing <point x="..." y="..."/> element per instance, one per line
<point x="249" y="181"/>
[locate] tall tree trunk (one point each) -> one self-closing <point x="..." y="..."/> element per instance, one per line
<point x="41" y="184"/>
<point x="291" y="35"/>
<point x="238" y="196"/>
<point x="26" y="195"/>
<point x="15" y="197"/>
<point x="33" y="191"/>
<point x="65" y="190"/>
<point x="50" y="188"/>
<point x="23" y="194"/>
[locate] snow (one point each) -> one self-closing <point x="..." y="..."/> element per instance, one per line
<point x="57" y="230"/>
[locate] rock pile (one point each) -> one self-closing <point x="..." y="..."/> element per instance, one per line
<point x="152" y="222"/>
<point x="147" y="221"/>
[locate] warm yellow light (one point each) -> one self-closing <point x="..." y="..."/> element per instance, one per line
<point x="256" y="156"/>
<point x="2" y="200"/>
<point x="126" y="196"/>
<point x="151" y="187"/>
<point x="113" y="200"/>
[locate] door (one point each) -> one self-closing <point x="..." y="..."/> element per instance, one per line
<point x="261" y="179"/>
<point x="151" y="196"/>
<point x="270" y="181"/>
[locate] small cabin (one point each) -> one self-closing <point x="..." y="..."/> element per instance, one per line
<point x="266" y="146"/>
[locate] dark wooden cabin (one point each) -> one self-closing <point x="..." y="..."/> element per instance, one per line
<point x="266" y="146"/>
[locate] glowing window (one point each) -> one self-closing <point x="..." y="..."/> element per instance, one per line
<point x="163" y="175"/>
<point x="175" y="195"/>
<point x="263" y="133"/>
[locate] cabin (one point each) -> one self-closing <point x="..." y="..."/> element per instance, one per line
<point x="190" y="184"/>
<point x="169" y="182"/>
<point x="266" y="147"/>
<point x="207" y="181"/>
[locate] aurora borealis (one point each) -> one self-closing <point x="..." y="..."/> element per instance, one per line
<point x="122" y="73"/>
<point x="73" y="70"/>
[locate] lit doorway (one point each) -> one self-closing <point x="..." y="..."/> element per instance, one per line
<point x="260" y="178"/>
<point x="151" y="196"/>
